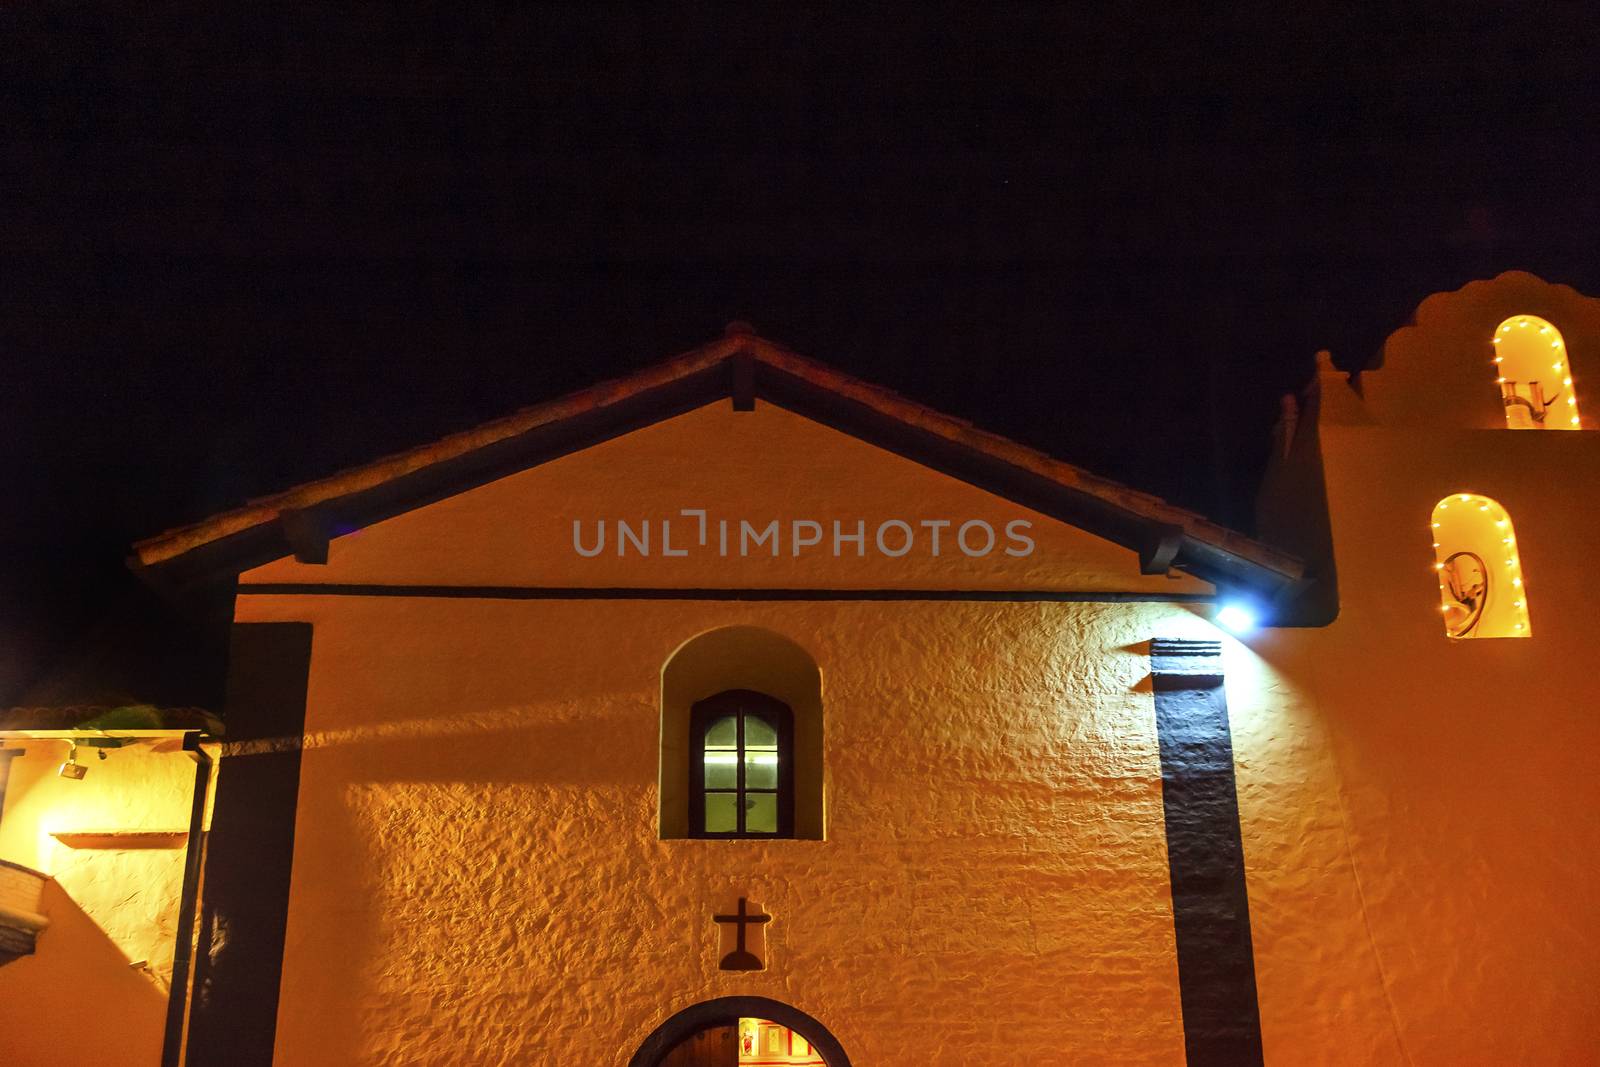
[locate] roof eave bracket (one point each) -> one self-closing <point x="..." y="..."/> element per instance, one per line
<point x="743" y="388"/>
<point x="307" y="534"/>
<point x="1156" y="555"/>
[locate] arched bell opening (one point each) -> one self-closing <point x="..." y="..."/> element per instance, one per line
<point x="1535" y="375"/>
<point x="1481" y="588"/>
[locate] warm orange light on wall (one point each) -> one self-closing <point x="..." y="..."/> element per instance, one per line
<point x="1481" y="588"/>
<point x="1534" y="375"/>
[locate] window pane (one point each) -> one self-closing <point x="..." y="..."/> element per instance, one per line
<point x="724" y="733"/>
<point x="721" y="815"/>
<point x="760" y="770"/>
<point x="761" y="813"/>
<point x="758" y="734"/>
<point x="722" y="770"/>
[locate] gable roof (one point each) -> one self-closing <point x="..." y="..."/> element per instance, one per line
<point x="743" y="367"/>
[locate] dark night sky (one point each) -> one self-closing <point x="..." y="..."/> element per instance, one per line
<point x="246" y="246"/>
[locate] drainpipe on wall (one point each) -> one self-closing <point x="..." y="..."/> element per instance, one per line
<point x="194" y="863"/>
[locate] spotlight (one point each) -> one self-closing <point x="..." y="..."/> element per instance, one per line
<point x="72" y="768"/>
<point x="1236" y="617"/>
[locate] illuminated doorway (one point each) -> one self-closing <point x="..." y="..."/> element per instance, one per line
<point x="752" y="1043"/>
<point x="763" y="1043"/>
<point x="740" y="1032"/>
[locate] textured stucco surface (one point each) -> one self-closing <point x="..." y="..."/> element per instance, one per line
<point x="478" y="873"/>
<point x="478" y="876"/>
<point x="1460" y="772"/>
<point x="1320" y="988"/>
<point x="1467" y="790"/>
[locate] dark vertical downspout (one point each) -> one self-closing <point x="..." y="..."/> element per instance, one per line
<point x="249" y="853"/>
<point x="194" y="863"/>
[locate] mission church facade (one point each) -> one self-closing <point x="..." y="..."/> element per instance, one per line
<point x="740" y="712"/>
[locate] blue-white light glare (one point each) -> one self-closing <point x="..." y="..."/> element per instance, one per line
<point x="1236" y="618"/>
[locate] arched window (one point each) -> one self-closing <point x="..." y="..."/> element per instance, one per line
<point x="760" y="681"/>
<point x="741" y="766"/>
<point x="1535" y="375"/>
<point x="1481" y="589"/>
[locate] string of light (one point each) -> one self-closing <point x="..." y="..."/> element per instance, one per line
<point x="1468" y="537"/>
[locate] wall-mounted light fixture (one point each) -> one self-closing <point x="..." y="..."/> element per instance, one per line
<point x="72" y="768"/>
<point x="1237" y="617"/>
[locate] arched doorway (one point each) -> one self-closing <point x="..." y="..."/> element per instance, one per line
<point x="726" y="1012"/>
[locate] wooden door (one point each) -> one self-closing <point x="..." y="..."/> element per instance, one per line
<point x="718" y="1047"/>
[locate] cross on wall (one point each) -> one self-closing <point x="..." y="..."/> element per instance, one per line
<point x="741" y="959"/>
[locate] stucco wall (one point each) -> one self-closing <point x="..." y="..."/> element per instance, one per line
<point x="1461" y="769"/>
<point x="1465" y="770"/>
<point x="478" y="876"/>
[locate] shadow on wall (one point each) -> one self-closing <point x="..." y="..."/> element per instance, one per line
<point x="351" y="972"/>
<point x="517" y="745"/>
<point x="77" y="1000"/>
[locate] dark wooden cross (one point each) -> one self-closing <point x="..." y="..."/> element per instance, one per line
<point x="740" y="959"/>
